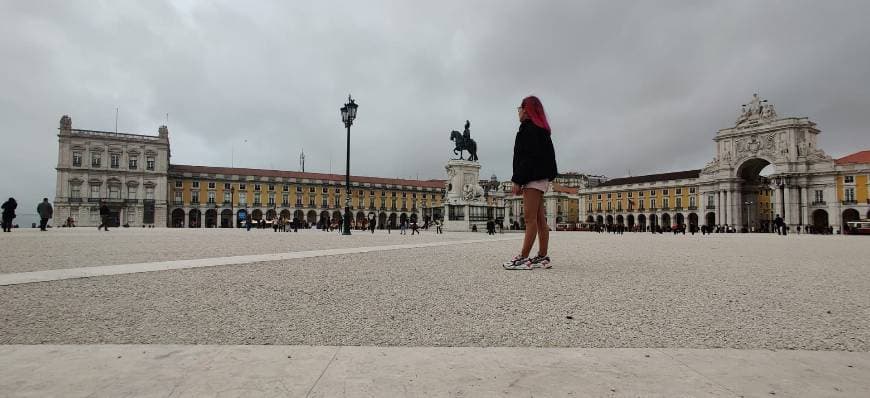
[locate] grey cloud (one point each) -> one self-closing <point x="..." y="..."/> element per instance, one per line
<point x="639" y="86"/>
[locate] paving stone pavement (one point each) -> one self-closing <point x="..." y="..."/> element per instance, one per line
<point x="727" y="315"/>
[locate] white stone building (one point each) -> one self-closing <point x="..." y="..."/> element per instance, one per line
<point x="126" y="171"/>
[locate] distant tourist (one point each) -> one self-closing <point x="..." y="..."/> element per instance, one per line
<point x="45" y="213"/>
<point x="372" y="225"/>
<point x="105" y="214"/>
<point x="9" y="214"/>
<point x="438" y="229"/>
<point x="414" y="228"/>
<point x="534" y="166"/>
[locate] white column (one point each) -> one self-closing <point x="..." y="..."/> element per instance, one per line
<point x="787" y="199"/>
<point x="727" y="207"/>
<point x="805" y="205"/>
<point x="718" y="207"/>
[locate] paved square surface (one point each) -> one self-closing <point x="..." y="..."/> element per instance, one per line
<point x="635" y="290"/>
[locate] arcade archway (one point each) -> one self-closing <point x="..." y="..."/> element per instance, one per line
<point x="752" y="174"/>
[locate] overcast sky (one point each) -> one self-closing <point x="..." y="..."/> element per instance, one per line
<point x="640" y="86"/>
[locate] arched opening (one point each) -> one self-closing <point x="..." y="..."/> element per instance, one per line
<point x="271" y="215"/>
<point x="641" y="222"/>
<point x="285" y="215"/>
<point x="753" y="174"/>
<point x="599" y="220"/>
<point x="194" y="218"/>
<point x="403" y="218"/>
<point x="298" y="216"/>
<point x="590" y="219"/>
<point x="820" y="221"/>
<point x="609" y="220"/>
<point x="382" y="220"/>
<point x="711" y="219"/>
<point x="257" y="215"/>
<point x="629" y="220"/>
<point x="679" y="220"/>
<point x="849" y="215"/>
<point x="325" y="220"/>
<point x="242" y="217"/>
<point x="337" y="218"/>
<point x="620" y="220"/>
<point x="693" y="221"/>
<point x="311" y="218"/>
<point x="177" y="218"/>
<point x="226" y="218"/>
<point x="666" y="221"/>
<point x="361" y="221"/>
<point x="211" y="216"/>
<point x="653" y="220"/>
<point x="392" y="220"/>
<point x="413" y="217"/>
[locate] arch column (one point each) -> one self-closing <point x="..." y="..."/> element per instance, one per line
<point x="787" y="217"/>
<point x="805" y="204"/>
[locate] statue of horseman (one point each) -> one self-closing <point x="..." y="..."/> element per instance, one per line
<point x="464" y="142"/>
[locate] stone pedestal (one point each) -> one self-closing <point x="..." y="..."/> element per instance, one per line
<point x="464" y="204"/>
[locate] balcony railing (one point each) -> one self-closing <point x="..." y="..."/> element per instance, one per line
<point x="850" y="202"/>
<point x="74" y="200"/>
<point x="666" y="208"/>
<point x="711" y="206"/>
<point x="693" y="207"/>
<point x="818" y="203"/>
<point x="678" y="208"/>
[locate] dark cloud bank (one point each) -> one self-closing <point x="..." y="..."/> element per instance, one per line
<point x="639" y="86"/>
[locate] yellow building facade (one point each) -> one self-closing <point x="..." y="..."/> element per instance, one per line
<point x="219" y="197"/>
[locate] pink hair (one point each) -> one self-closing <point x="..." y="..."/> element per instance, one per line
<point x="535" y="111"/>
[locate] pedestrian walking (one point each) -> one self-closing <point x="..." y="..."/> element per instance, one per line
<point x="105" y="214"/>
<point x="534" y="166"/>
<point x="438" y="229"/>
<point x="8" y="214"/>
<point x="372" y="225"/>
<point x="414" y="228"/>
<point x="45" y="213"/>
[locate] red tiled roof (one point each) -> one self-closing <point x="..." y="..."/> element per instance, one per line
<point x="182" y="168"/>
<point x="563" y="189"/>
<point x="857" y="157"/>
<point x="676" y="175"/>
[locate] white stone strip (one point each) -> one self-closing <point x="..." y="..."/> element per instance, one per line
<point x="120" y="269"/>
<point x="317" y="371"/>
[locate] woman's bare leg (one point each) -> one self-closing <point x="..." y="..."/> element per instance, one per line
<point x="531" y="202"/>
<point x="543" y="230"/>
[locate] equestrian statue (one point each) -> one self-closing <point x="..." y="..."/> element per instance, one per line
<point x="464" y="143"/>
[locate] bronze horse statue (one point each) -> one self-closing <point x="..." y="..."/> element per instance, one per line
<point x="464" y="142"/>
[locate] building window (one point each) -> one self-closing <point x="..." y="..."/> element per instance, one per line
<point x="114" y="192"/>
<point x="619" y="195"/>
<point x="228" y="196"/>
<point x="115" y="160"/>
<point x="195" y="184"/>
<point x="820" y="196"/>
<point x="243" y="187"/>
<point x="691" y="190"/>
<point x="598" y="207"/>
<point x="257" y="200"/>
<point x="311" y="200"/>
<point x="178" y="197"/>
<point x="360" y="202"/>
<point x="272" y="199"/>
<point x="337" y="190"/>
<point x="372" y="203"/>
<point x="710" y="201"/>
<point x="243" y="199"/>
<point x="211" y="197"/>
<point x="256" y="187"/>
<point x="629" y="194"/>
<point x="286" y="188"/>
<point x="285" y="199"/>
<point x="324" y="202"/>
<point x="850" y="194"/>
<point x="149" y="193"/>
<point x="599" y="196"/>
<point x="149" y="163"/>
<point x="692" y="202"/>
<point x="640" y="193"/>
<point x="227" y="186"/>
<point x="608" y="195"/>
<point x="299" y="200"/>
<point x="679" y="191"/>
<point x="849" y="179"/>
<point x="619" y="205"/>
<point x="194" y="197"/>
<point x="95" y="192"/>
<point x="312" y="189"/>
<point x="75" y="191"/>
<point x="77" y="159"/>
<point x="133" y="162"/>
<point x="178" y="183"/>
<point x="299" y="188"/>
<point x="608" y="206"/>
<point x="383" y="202"/>
<point x="324" y="189"/>
<point x="96" y="159"/>
<point x="131" y="193"/>
<point x="271" y="187"/>
<point x="679" y="202"/>
<point x="652" y="203"/>
<point x="664" y="192"/>
<point x="665" y="203"/>
<point x="652" y="193"/>
<point x="211" y="185"/>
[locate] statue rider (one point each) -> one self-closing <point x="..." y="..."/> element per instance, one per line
<point x="466" y="135"/>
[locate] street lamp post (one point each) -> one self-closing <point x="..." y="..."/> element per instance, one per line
<point x="348" y="114"/>
<point x="748" y="218"/>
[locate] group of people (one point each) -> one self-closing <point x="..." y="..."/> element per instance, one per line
<point x="44" y="209"/>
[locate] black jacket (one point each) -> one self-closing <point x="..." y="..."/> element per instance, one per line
<point x="534" y="156"/>
<point x="104" y="210"/>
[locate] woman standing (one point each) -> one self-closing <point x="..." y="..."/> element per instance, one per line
<point x="9" y="214"/>
<point x="534" y="167"/>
